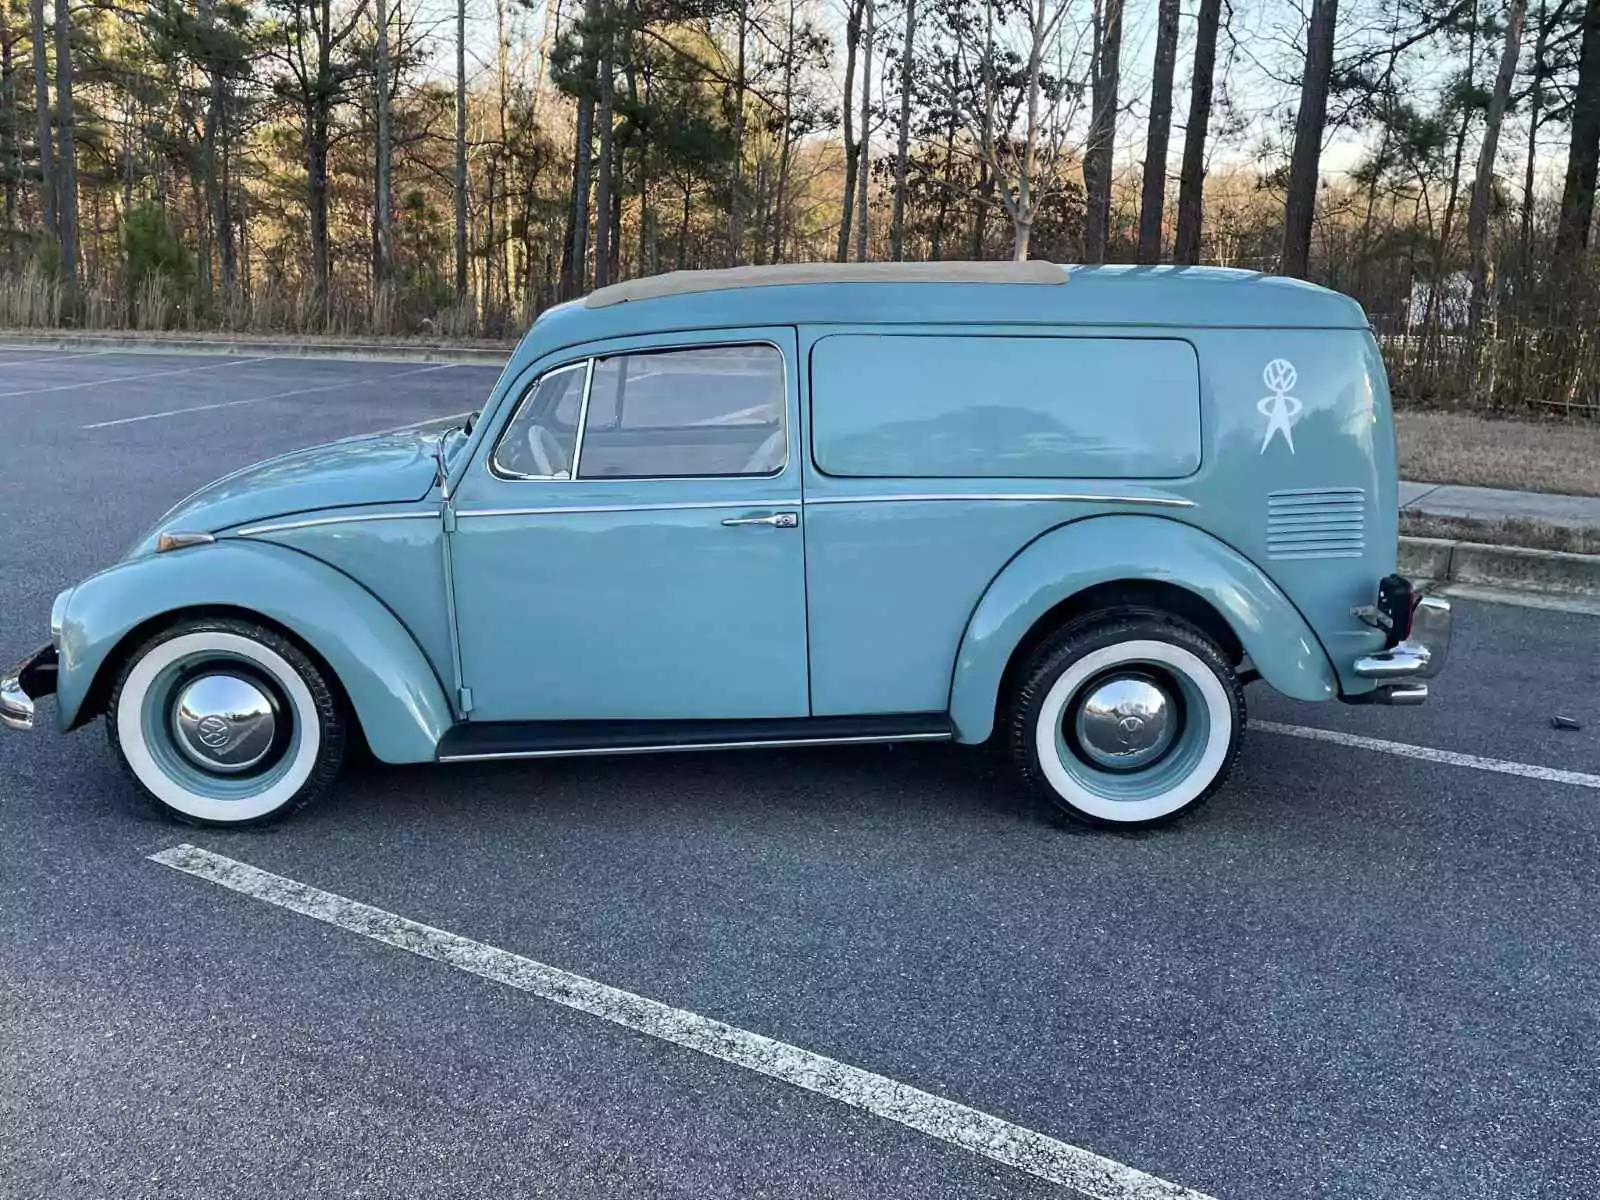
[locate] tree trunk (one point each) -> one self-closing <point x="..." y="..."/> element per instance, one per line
<point x="575" y="263"/>
<point x="1483" y="181"/>
<point x="216" y="126"/>
<point x="67" y="153"/>
<point x="10" y="140"/>
<point x="41" y="112"/>
<point x="1105" y="68"/>
<point x="864" y="172"/>
<point x="786" y="142"/>
<point x="736" y="182"/>
<point x="460" y="181"/>
<point x="1023" y="204"/>
<point x="1535" y="105"/>
<point x="317" y="206"/>
<point x="502" y="254"/>
<point x="1153" y="197"/>
<point x="381" y="248"/>
<point x="897" y="228"/>
<point x="1191" y="185"/>
<point x="605" y="118"/>
<point x="1300" y="209"/>
<point x="980" y="211"/>
<point x="852" y="37"/>
<point x="1583" y="156"/>
<point x="942" y="213"/>
<point x="614" y="216"/>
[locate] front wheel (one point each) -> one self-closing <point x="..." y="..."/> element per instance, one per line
<point x="1127" y="720"/>
<point x="224" y="722"/>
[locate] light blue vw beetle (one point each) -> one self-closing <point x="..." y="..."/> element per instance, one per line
<point x="1075" y="509"/>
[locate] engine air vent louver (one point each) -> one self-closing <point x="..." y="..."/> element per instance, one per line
<point x="1316" y="523"/>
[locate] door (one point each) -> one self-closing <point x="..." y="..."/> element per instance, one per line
<point x="629" y="546"/>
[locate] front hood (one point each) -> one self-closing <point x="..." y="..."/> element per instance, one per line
<point x="383" y="469"/>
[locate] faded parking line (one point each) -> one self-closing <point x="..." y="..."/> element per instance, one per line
<point x="71" y="387"/>
<point x="48" y="358"/>
<point x="326" y="387"/>
<point x="1452" y="758"/>
<point x="1036" y="1154"/>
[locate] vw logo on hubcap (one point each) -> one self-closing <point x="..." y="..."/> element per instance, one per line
<point x="224" y="723"/>
<point x="1125" y="722"/>
<point x="214" y="732"/>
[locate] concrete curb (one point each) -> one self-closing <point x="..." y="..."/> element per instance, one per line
<point x="1513" y="567"/>
<point x="139" y="343"/>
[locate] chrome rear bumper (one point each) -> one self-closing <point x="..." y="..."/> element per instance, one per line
<point x="1422" y="655"/>
<point x="30" y="680"/>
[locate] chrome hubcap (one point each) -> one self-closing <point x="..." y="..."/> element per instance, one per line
<point x="224" y="723"/>
<point x="1125" y="722"/>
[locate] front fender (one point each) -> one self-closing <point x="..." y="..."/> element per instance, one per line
<point x="1111" y="549"/>
<point x="398" y="699"/>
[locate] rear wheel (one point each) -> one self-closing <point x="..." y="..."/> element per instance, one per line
<point x="1127" y="719"/>
<point x="224" y="722"/>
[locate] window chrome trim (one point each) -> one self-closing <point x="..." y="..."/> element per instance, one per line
<point x="682" y="747"/>
<point x="281" y="526"/>
<point x="584" y="364"/>
<point x="1005" y="497"/>
<point x="664" y="506"/>
<point x="583" y="419"/>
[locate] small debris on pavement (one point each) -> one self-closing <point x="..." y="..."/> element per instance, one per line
<point x="1565" y="723"/>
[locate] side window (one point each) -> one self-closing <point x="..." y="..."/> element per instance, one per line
<point x="539" y="441"/>
<point x="717" y="410"/>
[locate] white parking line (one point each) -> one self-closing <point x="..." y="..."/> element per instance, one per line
<point x="326" y="387"/>
<point x="49" y="358"/>
<point x="71" y="387"/>
<point x="1452" y="758"/>
<point x="1036" y="1154"/>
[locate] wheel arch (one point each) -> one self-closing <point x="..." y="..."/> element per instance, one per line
<point x="1120" y="562"/>
<point x="98" y="695"/>
<point x="370" y="658"/>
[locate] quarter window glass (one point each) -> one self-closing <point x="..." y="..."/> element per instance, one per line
<point x="540" y="439"/>
<point x="712" y="411"/>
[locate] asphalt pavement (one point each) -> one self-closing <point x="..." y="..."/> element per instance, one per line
<point x="1356" y="973"/>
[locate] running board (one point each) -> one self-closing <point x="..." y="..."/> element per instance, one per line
<point x="479" y="741"/>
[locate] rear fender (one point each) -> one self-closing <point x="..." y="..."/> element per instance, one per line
<point x="1112" y="549"/>
<point x="398" y="699"/>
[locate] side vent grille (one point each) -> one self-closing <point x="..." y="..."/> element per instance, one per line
<point x="1316" y="523"/>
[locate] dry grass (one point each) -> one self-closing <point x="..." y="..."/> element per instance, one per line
<point x="1539" y="535"/>
<point x="1440" y="447"/>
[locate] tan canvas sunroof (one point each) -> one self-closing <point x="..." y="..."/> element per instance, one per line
<point x="678" y="283"/>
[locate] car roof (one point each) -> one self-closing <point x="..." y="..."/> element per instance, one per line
<point x="678" y="283"/>
<point x="944" y="293"/>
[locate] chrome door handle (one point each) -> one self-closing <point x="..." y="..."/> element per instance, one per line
<point x="783" y="520"/>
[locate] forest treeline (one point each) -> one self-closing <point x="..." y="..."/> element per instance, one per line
<point x="395" y="167"/>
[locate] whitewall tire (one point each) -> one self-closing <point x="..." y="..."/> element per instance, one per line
<point x="225" y="722"/>
<point x="1127" y="719"/>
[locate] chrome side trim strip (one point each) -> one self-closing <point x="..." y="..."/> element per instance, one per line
<point x="280" y="526"/>
<point x="558" y="510"/>
<point x="1010" y="497"/>
<point x="776" y="743"/>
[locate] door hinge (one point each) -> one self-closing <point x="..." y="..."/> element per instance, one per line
<point x="464" y="699"/>
<point x="449" y="515"/>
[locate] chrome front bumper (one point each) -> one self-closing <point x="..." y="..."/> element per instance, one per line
<point x="1402" y="668"/>
<point x="30" y="680"/>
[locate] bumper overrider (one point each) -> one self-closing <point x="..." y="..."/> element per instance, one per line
<point x="1419" y="628"/>
<point x="23" y="685"/>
